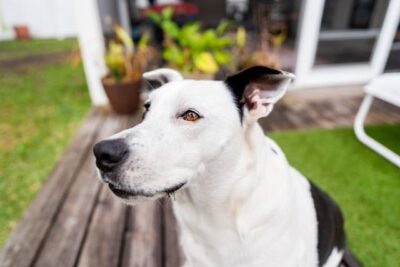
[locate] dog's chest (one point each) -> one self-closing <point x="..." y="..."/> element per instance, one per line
<point x="207" y="242"/>
<point x="223" y="246"/>
<point x="283" y="240"/>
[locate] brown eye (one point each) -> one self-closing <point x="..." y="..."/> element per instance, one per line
<point x="190" y="116"/>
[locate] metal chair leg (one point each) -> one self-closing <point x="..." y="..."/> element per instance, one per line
<point x="367" y="140"/>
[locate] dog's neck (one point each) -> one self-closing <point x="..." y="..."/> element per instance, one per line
<point x="243" y="205"/>
<point x="228" y="181"/>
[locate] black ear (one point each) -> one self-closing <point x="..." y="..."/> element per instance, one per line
<point x="257" y="89"/>
<point x="159" y="77"/>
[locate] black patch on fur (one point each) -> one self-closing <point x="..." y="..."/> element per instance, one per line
<point x="330" y="224"/>
<point x="163" y="79"/>
<point x="349" y="260"/>
<point x="157" y="83"/>
<point x="238" y="82"/>
<point x="153" y="84"/>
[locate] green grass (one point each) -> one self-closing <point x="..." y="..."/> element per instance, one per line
<point x="40" y="108"/>
<point x="20" y="48"/>
<point x="366" y="186"/>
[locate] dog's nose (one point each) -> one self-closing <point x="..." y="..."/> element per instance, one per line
<point x="110" y="153"/>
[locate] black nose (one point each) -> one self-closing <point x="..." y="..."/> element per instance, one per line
<point x="110" y="153"/>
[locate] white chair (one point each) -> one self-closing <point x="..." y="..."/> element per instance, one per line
<point x="386" y="87"/>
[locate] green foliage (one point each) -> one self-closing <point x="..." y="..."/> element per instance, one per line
<point x="365" y="185"/>
<point x="121" y="58"/>
<point x="188" y="48"/>
<point x="143" y="41"/>
<point x="115" y="59"/>
<point x="41" y="105"/>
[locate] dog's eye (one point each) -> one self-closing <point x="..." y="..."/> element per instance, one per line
<point x="146" y="106"/>
<point x="190" y="115"/>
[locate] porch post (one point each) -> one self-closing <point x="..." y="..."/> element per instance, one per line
<point x="307" y="40"/>
<point x="91" y="44"/>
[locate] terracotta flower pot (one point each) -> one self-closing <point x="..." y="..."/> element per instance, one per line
<point x="124" y="96"/>
<point x="22" y="32"/>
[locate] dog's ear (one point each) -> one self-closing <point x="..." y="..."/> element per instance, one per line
<point x="257" y="89"/>
<point x="162" y="76"/>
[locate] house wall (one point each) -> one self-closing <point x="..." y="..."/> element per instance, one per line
<point x="45" y="18"/>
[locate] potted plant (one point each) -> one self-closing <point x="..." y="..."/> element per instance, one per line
<point x="125" y="62"/>
<point x="196" y="53"/>
<point x="267" y="48"/>
<point x="22" y="32"/>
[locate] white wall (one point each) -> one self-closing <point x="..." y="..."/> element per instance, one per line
<point x="45" y="18"/>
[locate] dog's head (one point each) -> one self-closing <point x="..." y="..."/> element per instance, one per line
<point x="187" y="125"/>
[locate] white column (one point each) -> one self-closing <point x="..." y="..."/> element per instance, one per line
<point x="91" y="44"/>
<point x="307" y="40"/>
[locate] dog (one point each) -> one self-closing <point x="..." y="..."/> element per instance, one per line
<point x="237" y="200"/>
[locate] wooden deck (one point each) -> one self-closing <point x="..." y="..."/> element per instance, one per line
<point x="74" y="221"/>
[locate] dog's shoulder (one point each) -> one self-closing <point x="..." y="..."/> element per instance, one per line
<point x="331" y="233"/>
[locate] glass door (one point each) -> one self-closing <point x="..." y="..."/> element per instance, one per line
<point x="345" y="41"/>
<point x="349" y="31"/>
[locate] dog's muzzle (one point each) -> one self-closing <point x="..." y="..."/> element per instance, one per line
<point x="110" y="154"/>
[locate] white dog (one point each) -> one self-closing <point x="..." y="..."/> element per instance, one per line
<point x="238" y="202"/>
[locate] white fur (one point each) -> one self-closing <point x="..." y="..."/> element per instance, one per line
<point x="266" y="215"/>
<point x="242" y="204"/>
<point x="163" y="75"/>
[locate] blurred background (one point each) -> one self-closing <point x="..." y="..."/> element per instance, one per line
<point x="324" y="42"/>
<point x="70" y="73"/>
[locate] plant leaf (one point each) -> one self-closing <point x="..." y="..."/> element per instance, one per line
<point x="221" y="28"/>
<point x="222" y="57"/>
<point x="241" y="37"/>
<point x="170" y="28"/>
<point x="154" y="16"/>
<point x="205" y="62"/>
<point x="124" y="37"/>
<point x="174" y="55"/>
<point x="167" y="13"/>
<point x="144" y="40"/>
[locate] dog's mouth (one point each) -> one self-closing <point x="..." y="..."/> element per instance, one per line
<point x="128" y="193"/>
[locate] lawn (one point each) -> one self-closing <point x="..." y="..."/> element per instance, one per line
<point x="10" y="50"/>
<point x="366" y="186"/>
<point x="41" y="105"/>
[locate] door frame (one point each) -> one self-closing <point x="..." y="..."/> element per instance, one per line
<point x="346" y="74"/>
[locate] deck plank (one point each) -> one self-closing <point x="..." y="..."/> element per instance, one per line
<point x="25" y="240"/>
<point x="103" y="244"/>
<point x="62" y="246"/>
<point x="104" y="240"/>
<point x="173" y="255"/>
<point x="68" y="230"/>
<point x="143" y="237"/>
